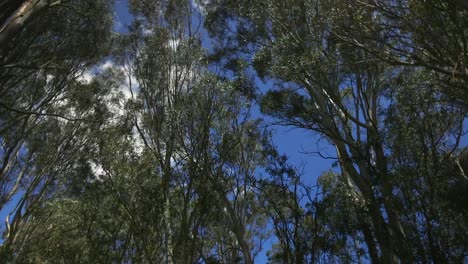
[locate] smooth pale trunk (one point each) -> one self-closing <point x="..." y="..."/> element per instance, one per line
<point x="169" y="246"/>
<point x="13" y="25"/>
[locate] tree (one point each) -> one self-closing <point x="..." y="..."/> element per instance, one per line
<point x="143" y="147"/>
<point x="169" y="171"/>
<point x="326" y="85"/>
<point x="39" y="71"/>
<point x="16" y="15"/>
<point x="428" y="34"/>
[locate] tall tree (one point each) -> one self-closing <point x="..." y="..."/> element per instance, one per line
<point x="427" y="34"/>
<point x="169" y="172"/>
<point x="39" y="71"/>
<point x="325" y="84"/>
<point x="155" y="157"/>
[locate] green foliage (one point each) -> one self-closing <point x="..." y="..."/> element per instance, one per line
<point x="156" y="157"/>
<point x="375" y="85"/>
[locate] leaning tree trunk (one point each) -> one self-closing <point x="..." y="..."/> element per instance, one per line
<point x="7" y="8"/>
<point x="11" y="24"/>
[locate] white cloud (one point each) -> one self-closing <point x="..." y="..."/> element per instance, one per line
<point x="199" y="5"/>
<point x="138" y="143"/>
<point x="147" y="31"/>
<point x="86" y="77"/>
<point x="97" y="170"/>
<point x="108" y="64"/>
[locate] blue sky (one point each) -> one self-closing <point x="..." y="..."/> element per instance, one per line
<point x="289" y="141"/>
<point x="295" y="143"/>
<point x="292" y="142"/>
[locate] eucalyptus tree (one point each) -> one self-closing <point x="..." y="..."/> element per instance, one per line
<point x="114" y="209"/>
<point x="157" y="159"/>
<point x="426" y="34"/>
<point x="185" y="127"/>
<point x="168" y="172"/>
<point x="163" y="56"/>
<point x="38" y="75"/>
<point x="288" y="204"/>
<point x="348" y="95"/>
<point x="426" y="164"/>
<point x="56" y="159"/>
<point x="16" y="14"/>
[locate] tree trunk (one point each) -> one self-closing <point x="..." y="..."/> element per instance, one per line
<point x="7" y="8"/>
<point x="167" y="219"/>
<point x="14" y="23"/>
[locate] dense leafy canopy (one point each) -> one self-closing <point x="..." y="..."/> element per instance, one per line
<point x="146" y="146"/>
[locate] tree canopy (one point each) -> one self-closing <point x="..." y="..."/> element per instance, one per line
<point x="156" y="143"/>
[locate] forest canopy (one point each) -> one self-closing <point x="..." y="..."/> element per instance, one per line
<point x="145" y="131"/>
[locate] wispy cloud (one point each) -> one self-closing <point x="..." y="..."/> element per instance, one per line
<point x="200" y="5"/>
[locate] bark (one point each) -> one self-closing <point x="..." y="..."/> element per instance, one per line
<point x="13" y="25"/>
<point x="383" y="231"/>
<point x="369" y="239"/>
<point x="7" y="8"/>
<point x="237" y="228"/>
<point x="168" y="227"/>
<point x="10" y="158"/>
